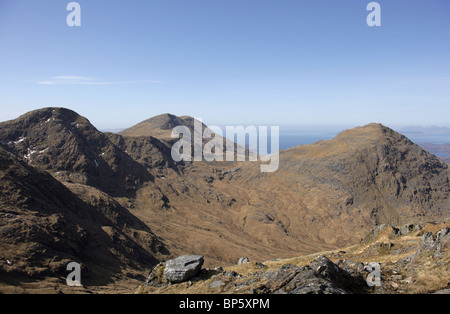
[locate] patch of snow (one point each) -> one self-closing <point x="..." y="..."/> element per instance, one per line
<point x="20" y="140"/>
<point x="28" y="156"/>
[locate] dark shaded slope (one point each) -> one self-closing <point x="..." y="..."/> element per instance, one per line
<point x="146" y="150"/>
<point x="44" y="226"/>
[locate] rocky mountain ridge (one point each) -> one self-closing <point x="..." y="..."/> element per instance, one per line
<point x="325" y="196"/>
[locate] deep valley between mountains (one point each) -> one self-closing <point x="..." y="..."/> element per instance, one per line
<point x="117" y="203"/>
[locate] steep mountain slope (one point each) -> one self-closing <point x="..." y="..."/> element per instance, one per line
<point x="62" y="142"/>
<point x="440" y="150"/>
<point x="44" y="226"/>
<point x="147" y="150"/>
<point x="337" y="189"/>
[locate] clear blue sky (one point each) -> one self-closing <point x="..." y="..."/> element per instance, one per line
<point x="261" y="62"/>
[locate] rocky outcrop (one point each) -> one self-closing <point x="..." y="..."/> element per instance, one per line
<point x="322" y="276"/>
<point x="435" y="242"/>
<point x="392" y="232"/>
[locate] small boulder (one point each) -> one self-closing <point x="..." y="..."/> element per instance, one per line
<point x="243" y="260"/>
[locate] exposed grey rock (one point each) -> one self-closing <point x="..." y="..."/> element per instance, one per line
<point x="443" y="291"/>
<point x="216" y="284"/>
<point x="436" y="243"/>
<point x="408" y="228"/>
<point x="230" y="273"/>
<point x="155" y="278"/>
<point x="183" y="268"/>
<point x="243" y="260"/>
<point x="372" y="235"/>
<point x="353" y="268"/>
<point x="322" y="276"/>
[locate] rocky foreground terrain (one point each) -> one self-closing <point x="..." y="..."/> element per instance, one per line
<point x="412" y="259"/>
<point x="118" y="204"/>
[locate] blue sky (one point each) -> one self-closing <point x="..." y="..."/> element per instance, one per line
<point x="259" y="62"/>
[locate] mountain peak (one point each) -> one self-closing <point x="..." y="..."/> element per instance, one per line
<point x="159" y="126"/>
<point x="48" y="112"/>
<point x="371" y="130"/>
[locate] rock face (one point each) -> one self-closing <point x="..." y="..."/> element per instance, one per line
<point x="183" y="268"/>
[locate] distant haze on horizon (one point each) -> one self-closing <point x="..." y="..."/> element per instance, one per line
<point x="309" y="64"/>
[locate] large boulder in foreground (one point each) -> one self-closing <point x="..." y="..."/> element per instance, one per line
<point x="183" y="268"/>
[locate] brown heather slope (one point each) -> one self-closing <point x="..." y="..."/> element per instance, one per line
<point x="337" y="190"/>
<point x="324" y="196"/>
